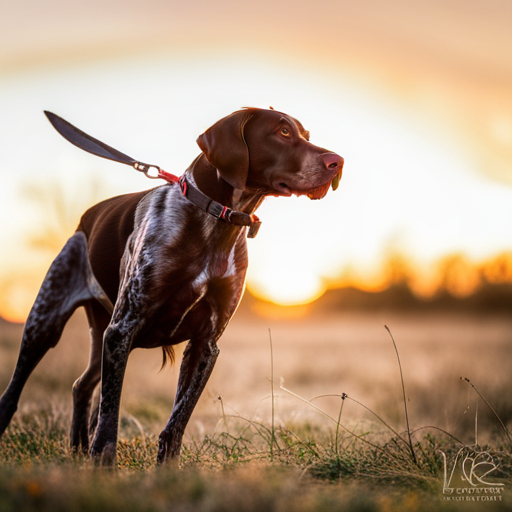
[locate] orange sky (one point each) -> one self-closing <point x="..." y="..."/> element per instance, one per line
<point x="450" y="58"/>
<point x="435" y="75"/>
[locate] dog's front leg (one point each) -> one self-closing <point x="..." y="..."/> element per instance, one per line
<point x="198" y="361"/>
<point x="126" y="325"/>
<point x="116" y="348"/>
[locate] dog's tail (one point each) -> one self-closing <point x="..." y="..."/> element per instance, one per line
<point x="167" y="356"/>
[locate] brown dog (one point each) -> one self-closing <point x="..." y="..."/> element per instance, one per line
<point x="156" y="268"/>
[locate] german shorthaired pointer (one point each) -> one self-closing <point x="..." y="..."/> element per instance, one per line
<point x="156" y="268"/>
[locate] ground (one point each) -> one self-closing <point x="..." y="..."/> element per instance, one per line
<point x="309" y="451"/>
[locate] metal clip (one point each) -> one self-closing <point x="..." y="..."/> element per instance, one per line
<point x="141" y="167"/>
<point x="253" y="229"/>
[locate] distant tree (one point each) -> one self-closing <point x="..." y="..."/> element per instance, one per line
<point x="498" y="270"/>
<point x="458" y="276"/>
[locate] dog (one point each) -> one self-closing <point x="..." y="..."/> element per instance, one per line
<point x="168" y="265"/>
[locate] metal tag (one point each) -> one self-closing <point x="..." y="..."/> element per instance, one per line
<point x="253" y="229"/>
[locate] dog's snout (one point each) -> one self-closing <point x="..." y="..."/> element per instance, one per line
<point x="332" y="161"/>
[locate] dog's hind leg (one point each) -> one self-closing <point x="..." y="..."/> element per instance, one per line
<point x="84" y="386"/>
<point x="68" y="284"/>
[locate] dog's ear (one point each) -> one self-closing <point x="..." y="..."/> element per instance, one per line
<point x="224" y="146"/>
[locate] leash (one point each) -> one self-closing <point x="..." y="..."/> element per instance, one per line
<point x="94" y="146"/>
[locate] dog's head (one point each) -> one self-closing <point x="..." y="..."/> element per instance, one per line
<point x="270" y="151"/>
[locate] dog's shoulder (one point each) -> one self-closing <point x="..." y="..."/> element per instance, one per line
<point x="118" y="211"/>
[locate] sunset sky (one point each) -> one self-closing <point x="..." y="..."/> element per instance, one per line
<point x="415" y="95"/>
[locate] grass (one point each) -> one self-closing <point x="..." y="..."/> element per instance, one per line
<point x="323" y="458"/>
<point x="230" y="468"/>
<point x="242" y="464"/>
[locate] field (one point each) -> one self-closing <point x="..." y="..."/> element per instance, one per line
<point x="254" y="446"/>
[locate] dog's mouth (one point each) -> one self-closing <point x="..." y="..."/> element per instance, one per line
<point x="313" y="193"/>
<point x="319" y="192"/>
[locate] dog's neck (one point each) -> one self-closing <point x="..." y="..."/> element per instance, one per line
<point x="208" y="181"/>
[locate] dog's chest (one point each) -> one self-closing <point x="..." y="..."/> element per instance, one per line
<point x="216" y="266"/>
<point x="202" y="303"/>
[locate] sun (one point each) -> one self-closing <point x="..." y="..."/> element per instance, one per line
<point x="287" y="286"/>
<point x="287" y="263"/>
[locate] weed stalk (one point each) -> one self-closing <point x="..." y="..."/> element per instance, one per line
<point x="323" y="413"/>
<point x="219" y="398"/>
<point x="343" y="396"/>
<point x="490" y="407"/>
<point x="272" y="435"/>
<point x="405" y="400"/>
<point x="476" y="425"/>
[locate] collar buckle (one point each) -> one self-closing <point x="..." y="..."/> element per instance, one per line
<point x="219" y="211"/>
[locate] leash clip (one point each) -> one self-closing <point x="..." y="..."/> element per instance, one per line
<point x="145" y="168"/>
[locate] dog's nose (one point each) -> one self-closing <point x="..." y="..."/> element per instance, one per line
<point x="332" y="161"/>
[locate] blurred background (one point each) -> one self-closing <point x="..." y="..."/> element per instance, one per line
<point x="415" y="95"/>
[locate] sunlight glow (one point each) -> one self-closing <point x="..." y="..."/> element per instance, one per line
<point x="287" y="283"/>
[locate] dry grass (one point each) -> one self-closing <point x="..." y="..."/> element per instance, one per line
<point x="233" y="458"/>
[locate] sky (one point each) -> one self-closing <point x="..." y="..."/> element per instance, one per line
<point x="415" y="95"/>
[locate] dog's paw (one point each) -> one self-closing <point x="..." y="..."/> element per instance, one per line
<point x="168" y="450"/>
<point x="105" y="457"/>
<point x="163" y="450"/>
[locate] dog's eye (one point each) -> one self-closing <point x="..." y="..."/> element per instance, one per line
<point x="285" y="131"/>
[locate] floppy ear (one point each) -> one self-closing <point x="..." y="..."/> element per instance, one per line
<point x="224" y="146"/>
